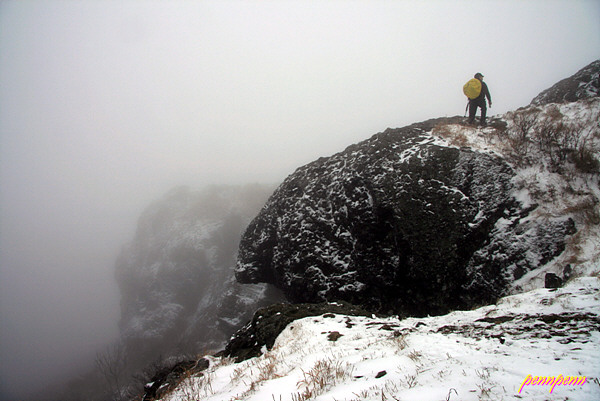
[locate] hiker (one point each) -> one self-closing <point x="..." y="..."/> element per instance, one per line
<point x="479" y="101"/>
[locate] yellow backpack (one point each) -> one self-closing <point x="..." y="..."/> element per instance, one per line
<point x="472" y="88"/>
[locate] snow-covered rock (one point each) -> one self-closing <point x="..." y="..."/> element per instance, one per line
<point x="402" y="222"/>
<point x="582" y="85"/>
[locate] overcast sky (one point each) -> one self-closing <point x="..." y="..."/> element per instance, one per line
<point x="106" y="105"/>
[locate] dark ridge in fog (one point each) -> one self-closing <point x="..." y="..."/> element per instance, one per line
<point x="179" y="297"/>
<point x="178" y="290"/>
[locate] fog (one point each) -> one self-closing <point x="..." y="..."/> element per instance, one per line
<point x="104" y="106"/>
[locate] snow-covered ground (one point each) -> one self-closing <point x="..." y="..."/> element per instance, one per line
<point x="486" y="353"/>
<point x="496" y="352"/>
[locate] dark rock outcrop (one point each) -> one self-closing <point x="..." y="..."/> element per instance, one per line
<point x="582" y="85"/>
<point x="398" y="223"/>
<point x="551" y="280"/>
<point x="168" y="377"/>
<point x="267" y="323"/>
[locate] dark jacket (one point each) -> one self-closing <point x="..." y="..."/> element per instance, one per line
<point x="480" y="100"/>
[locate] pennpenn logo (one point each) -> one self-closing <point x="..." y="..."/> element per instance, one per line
<point x="553" y="381"/>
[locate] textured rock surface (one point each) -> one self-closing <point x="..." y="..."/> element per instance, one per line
<point x="167" y="378"/>
<point x="398" y="223"/>
<point x="582" y="85"/>
<point x="178" y="291"/>
<point x="267" y="323"/>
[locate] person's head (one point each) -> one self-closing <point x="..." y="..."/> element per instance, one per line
<point x="479" y="76"/>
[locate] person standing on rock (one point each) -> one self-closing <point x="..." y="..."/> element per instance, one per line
<point x="479" y="101"/>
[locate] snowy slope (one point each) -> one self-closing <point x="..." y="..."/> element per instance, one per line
<point x="556" y="192"/>
<point x="582" y="85"/>
<point x="493" y="352"/>
<point x="486" y="353"/>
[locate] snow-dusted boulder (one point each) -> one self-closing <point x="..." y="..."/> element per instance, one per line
<point x="178" y="291"/>
<point x="582" y="85"/>
<point x="398" y="223"/>
<point x="267" y="323"/>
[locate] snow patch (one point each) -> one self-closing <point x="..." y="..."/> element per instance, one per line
<point x="465" y="355"/>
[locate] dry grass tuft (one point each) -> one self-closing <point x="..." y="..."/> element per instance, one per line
<point x="458" y="139"/>
<point x="325" y="373"/>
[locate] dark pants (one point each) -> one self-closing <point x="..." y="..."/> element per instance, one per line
<point x="473" y="105"/>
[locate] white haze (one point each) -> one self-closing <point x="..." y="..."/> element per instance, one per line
<point x="105" y="105"/>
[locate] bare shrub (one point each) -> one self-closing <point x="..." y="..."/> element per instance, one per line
<point x="112" y="364"/>
<point x="399" y="340"/>
<point x="525" y="119"/>
<point x="559" y="142"/>
<point x="548" y="139"/>
<point x="458" y="139"/>
<point x="410" y="381"/>
<point x="553" y="113"/>
<point x="586" y="209"/>
<point x="268" y="367"/>
<point x="518" y="137"/>
<point x="323" y="374"/>
<point x="442" y="131"/>
<point x="193" y="385"/>
<point x="585" y="156"/>
<point x="415" y="355"/>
